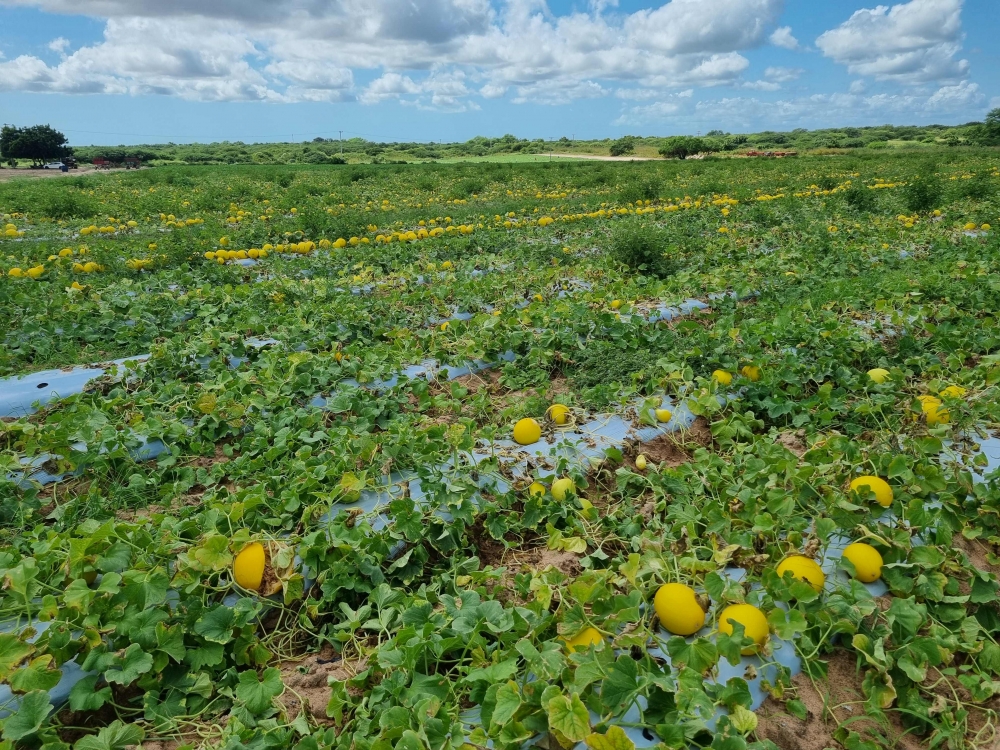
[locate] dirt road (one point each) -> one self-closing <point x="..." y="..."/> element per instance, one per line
<point x="595" y="157"/>
<point x="6" y="175"/>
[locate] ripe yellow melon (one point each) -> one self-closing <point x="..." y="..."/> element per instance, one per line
<point x="248" y="567"/>
<point x="640" y="462"/>
<point x="866" y="560"/>
<point x="953" y="391"/>
<point x="877" y="485"/>
<point x="678" y="609"/>
<point x="722" y="377"/>
<point x="527" y="431"/>
<point x="878" y="375"/>
<point x="536" y="489"/>
<point x="663" y="415"/>
<point x="933" y="409"/>
<point x="753" y="621"/>
<point x="558" y="413"/>
<point x="804" y="569"/>
<point x="583" y="640"/>
<point x="751" y="372"/>
<point x="562" y="488"/>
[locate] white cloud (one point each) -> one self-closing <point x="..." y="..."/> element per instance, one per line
<point x="59" y="45"/>
<point x="961" y="101"/>
<point x="558" y="92"/>
<point x="857" y="87"/>
<point x="761" y="85"/>
<point x="782" y="75"/>
<point x="290" y="50"/>
<point x="955" y="98"/>
<point x="441" y="90"/>
<point x="189" y="58"/>
<point x="912" y="42"/>
<point x="782" y="37"/>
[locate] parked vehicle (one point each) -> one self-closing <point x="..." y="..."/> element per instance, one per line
<point x="55" y="165"/>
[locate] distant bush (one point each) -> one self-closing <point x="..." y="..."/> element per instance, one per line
<point x="623" y="146"/>
<point x="860" y="198"/>
<point x="682" y="146"/>
<point x="639" y="248"/>
<point x="640" y="190"/>
<point x="878" y="144"/>
<point x="67" y="206"/>
<point x="981" y="187"/>
<point x="468" y="186"/>
<point x="922" y="193"/>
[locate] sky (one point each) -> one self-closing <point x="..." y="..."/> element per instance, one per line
<point x="157" y="71"/>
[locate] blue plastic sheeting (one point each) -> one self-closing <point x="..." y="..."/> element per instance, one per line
<point x="581" y="445"/>
<point x="19" y="394"/>
<point x="429" y="369"/>
<point x="71" y="672"/>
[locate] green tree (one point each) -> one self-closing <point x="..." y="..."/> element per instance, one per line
<point x="683" y="146"/>
<point x="989" y="133"/>
<point x="38" y="143"/>
<point x="623" y="146"/>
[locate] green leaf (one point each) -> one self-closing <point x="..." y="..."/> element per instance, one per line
<point x="217" y="624"/>
<point x="12" y="652"/>
<point x="622" y="683"/>
<point x="672" y="735"/>
<point x="493" y="673"/>
<point x="798" y="709"/>
<point x="989" y="658"/>
<point x="115" y="736"/>
<point x="37" y="675"/>
<point x="983" y="591"/>
<point x="927" y="556"/>
<point x="130" y="666"/>
<point x="614" y="739"/>
<point x="569" y="717"/>
<point x="787" y="625"/>
<point x="257" y="694"/>
<point x="905" y="616"/>
<point x="339" y="700"/>
<point x="34" y="709"/>
<point x="206" y="655"/>
<point x="213" y="553"/>
<point x="699" y="655"/>
<point x="508" y="701"/>
<point x="898" y="468"/>
<point x="86" y="697"/>
<point x="743" y="719"/>
<point x="170" y="640"/>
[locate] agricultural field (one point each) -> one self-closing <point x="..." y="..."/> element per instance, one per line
<point x="558" y="455"/>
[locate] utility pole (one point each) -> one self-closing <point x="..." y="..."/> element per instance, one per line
<point x="341" y="142"/>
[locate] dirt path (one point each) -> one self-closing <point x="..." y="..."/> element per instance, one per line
<point x="6" y="175"/>
<point x="595" y="157"/>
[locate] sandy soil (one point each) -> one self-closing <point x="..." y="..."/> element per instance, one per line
<point x="595" y="157"/>
<point x="6" y="175"/>
<point x="841" y="704"/>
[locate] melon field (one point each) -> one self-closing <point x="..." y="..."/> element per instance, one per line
<point x="561" y="455"/>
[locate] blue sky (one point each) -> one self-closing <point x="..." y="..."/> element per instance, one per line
<point x="152" y="71"/>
